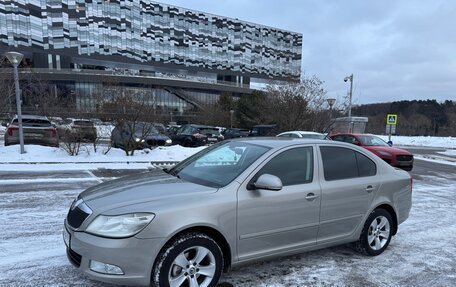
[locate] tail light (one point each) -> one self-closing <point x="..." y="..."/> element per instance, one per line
<point x="10" y="130"/>
<point x="53" y="132"/>
<point x="199" y="136"/>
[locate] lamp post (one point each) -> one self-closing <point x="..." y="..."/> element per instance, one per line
<point x="331" y="103"/>
<point x="15" y="58"/>
<point x="231" y="118"/>
<point x="350" y="94"/>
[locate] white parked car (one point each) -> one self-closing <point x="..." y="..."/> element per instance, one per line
<point x="302" y="134"/>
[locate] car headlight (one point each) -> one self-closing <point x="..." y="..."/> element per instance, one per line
<point x="137" y="140"/>
<point x="119" y="226"/>
<point x="384" y="153"/>
<point x="168" y="141"/>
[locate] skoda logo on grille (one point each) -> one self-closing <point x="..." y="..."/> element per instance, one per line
<point x="75" y="204"/>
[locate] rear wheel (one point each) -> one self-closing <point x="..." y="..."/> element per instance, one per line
<point x="376" y="234"/>
<point x="190" y="260"/>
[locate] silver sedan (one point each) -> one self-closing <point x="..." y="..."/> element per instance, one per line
<point x="233" y="203"/>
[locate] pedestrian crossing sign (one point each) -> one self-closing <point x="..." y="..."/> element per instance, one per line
<point x="391" y="119"/>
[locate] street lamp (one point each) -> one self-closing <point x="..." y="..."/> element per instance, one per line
<point x="331" y="103"/>
<point x="231" y="118"/>
<point x="350" y="94"/>
<point x="15" y="59"/>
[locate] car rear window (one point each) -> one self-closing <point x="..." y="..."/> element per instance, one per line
<point x="33" y="122"/>
<point x="83" y="123"/>
<point x="205" y="131"/>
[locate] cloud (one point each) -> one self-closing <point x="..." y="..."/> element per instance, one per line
<point x="397" y="50"/>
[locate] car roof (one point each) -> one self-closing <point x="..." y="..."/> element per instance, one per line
<point x="301" y="132"/>
<point x="32" y="117"/>
<point x="279" y="142"/>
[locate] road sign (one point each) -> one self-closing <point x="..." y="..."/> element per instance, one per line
<point x="391" y="119"/>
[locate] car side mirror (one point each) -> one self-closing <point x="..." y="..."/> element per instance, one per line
<point x="390" y="143"/>
<point x="268" y="182"/>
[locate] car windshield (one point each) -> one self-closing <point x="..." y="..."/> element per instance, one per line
<point x="372" y="141"/>
<point x="218" y="165"/>
<point x="145" y="128"/>
<point x="33" y="123"/>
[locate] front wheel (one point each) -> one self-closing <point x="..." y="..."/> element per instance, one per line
<point x="190" y="260"/>
<point x="376" y="234"/>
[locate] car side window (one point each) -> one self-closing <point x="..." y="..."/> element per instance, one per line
<point x="343" y="163"/>
<point x="366" y="167"/>
<point x="294" y="166"/>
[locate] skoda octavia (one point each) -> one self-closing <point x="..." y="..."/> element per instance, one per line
<point x="232" y="203"/>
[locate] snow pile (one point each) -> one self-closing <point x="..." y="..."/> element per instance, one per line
<point x="42" y="154"/>
<point x="425" y="141"/>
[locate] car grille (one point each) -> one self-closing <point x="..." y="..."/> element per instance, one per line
<point x="156" y="142"/>
<point x="404" y="157"/>
<point x="74" y="258"/>
<point x="76" y="217"/>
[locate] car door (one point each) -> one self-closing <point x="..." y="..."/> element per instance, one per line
<point x="348" y="182"/>
<point x="276" y="221"/>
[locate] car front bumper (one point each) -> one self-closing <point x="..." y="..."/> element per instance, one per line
<point x="133" y="255"/>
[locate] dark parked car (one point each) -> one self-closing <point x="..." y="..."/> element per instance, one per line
<point x="137" y="136"/>
<point x="235" y="133"/>
<point x="396" y="157"/>
<point x="196" y="135"/>
<point x="264" y="131"/>
<point x="77" y="129"/>
<point x="37" y="130"/>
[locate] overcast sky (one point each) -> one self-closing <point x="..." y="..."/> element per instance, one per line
<point x="397" y="50"/>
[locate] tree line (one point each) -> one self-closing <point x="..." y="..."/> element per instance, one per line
<point x="415" y="118"/>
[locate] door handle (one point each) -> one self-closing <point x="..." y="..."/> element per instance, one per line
<point x="311" y="196"/>
<point x="369" y="188"/>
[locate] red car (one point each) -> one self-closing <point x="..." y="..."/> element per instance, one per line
<point x="396" y="157"/>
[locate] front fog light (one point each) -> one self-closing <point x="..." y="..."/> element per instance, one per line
<point x="105" y="268"/>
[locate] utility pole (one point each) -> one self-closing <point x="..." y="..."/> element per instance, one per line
<point x="350" y="95"/>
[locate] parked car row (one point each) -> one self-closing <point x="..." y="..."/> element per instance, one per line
<point x="139" y="135"/>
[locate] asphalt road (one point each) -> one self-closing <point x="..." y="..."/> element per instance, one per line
<point x="33" y="205"/>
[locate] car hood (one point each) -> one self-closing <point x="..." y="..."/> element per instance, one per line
<point x="139" y="189"/>
<point x="388" y="149"/>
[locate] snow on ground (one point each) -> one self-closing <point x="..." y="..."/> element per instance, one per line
<point x="42" y="154"/>
<point x="448" y="152"/>
<point x="423" y="141"/>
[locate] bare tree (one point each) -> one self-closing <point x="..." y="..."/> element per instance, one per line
<point x="297" y="105"/>
<point x="132" y="111"/>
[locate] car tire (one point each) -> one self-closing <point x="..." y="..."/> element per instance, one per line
<point x="191" y="257"/>
<point x="187" y="143"/>
<point x="376" y="234"/>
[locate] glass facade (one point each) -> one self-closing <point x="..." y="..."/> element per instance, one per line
<point x="151" y="33"/>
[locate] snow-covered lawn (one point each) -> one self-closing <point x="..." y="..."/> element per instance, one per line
<point x="42" y="154"/>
